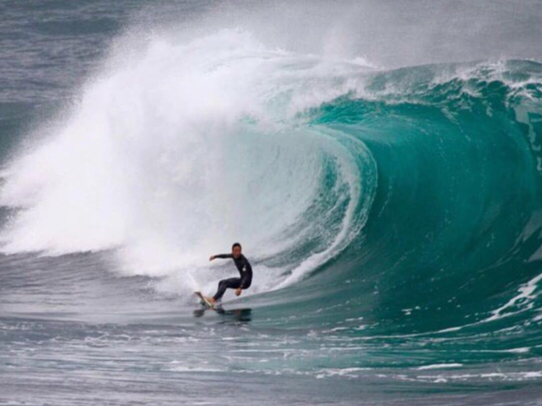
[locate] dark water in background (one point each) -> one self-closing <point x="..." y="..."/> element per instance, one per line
<point x="381" y="164"/>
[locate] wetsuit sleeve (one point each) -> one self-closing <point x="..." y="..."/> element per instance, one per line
<point x="224" y="256"/>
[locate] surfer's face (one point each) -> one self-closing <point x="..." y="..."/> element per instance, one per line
<point x="236" y="252"/>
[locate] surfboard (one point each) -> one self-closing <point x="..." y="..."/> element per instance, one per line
<point x="204" y="301"/>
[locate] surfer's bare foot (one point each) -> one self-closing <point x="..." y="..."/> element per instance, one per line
<point x="211" y="300"/>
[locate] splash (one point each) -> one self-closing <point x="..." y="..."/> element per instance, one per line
<point x="187" y="147"/>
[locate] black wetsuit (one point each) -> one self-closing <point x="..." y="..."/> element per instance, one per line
<point x="245" y="270"/>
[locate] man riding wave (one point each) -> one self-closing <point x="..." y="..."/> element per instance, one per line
<point x="245" y="272"/>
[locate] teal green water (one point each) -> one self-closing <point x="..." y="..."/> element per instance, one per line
<point x="447" y="266"/>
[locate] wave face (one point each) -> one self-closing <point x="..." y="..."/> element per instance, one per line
<point x="397" y="207"/>
<point x="453" y="235"/>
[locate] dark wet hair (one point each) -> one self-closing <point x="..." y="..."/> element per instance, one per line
<point x="235" y="244"/>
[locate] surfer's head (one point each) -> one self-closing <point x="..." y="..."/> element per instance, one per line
<point x="236" y="250"/>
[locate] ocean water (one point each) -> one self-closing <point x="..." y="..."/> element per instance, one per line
<point x="380" y="162"/>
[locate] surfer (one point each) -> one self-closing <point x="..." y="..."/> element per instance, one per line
<point x="245" y="271"/>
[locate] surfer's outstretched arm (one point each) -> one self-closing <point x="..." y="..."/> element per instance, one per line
<point x="221" y="256"/>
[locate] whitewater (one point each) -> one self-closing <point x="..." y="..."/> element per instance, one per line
<point x="387" y="193"/>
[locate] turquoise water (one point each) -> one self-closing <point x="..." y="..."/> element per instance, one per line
<point x="391" y="208"/>
<point x="447" y="266"/>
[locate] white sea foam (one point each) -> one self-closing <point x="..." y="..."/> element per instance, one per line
<point x="439" y="366"/>
<point x="522" y="301"/>
<point x="183" y="147"/>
